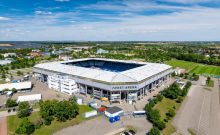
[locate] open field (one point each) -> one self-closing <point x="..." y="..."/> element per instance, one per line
<point x="193" y="67"/>
<point x="13" y="122"/>
<point x="163" y="107"/>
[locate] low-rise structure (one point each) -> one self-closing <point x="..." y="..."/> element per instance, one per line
<point x="9" y="55"/>
<point x="62" y="84"/>
<point x="21" y="86"/>
<point x="29" y="98"/>
<point x="113" y="111"/>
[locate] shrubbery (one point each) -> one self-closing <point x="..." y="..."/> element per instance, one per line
<point x="172" y="92"/>
<point x="23" y="109"/>
<point x="26" y="127"/>
<point x="153" y="115"/>
<point x="11" y="103"/>
<point x="154" y="131"/>
<point x="62" y="110"/>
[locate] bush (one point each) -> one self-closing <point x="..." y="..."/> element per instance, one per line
<point x="154" y="131"/>
<point x="160" y="98"/>
<point x="26" y="127"/>
<point x="153" y="116"/>
<point x="171" y="113"/>
<point x="71" y="110"/>
<point x="172" y="92"/>
<point x="14" y="90"/>
<point x="11" y="103"/>
<point x="47" y="121"/>
<point x="23" y="109"/>
<point x="179" y="99"/>
<point x="159" y="124"/>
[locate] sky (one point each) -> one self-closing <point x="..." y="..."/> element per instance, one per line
<point x="109" y="20"/>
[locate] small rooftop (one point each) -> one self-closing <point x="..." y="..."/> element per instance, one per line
<point x="113" y="109"/>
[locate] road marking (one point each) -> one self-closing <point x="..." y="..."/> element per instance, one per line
<point x="200" y="117"/>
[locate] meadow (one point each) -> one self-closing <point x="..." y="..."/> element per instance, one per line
<point x="193" y="67"/>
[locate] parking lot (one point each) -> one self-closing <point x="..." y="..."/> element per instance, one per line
<point x="199" y="111"/>
<point x="101" y="126"/>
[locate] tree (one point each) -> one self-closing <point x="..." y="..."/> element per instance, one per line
<point x="208" y="80"/>
<point x="14" y="90"/>
<point x="11" y="103"/>
<point x="26" y="127"/>
<point x="71" y="110"/>
<point x="73" y="99"/>
<point x="154" y="131"/>
<point x="153" y="115"/>
<point x="171" y="113"/>
<point x="23" y="109"/>
<point x="159" y="124"/>
<point x="47" y="108"/>
<point x="179" y="99"/>
<point x="172" y="92"/>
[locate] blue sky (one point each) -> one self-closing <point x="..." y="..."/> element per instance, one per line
<point x="110" y="20"/>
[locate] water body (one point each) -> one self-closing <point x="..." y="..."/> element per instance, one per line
<point x="21" y="44"/>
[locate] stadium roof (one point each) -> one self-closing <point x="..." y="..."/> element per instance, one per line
<point x="132" y="75"/>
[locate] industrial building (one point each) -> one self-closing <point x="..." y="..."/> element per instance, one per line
<point x="115" y="80"/>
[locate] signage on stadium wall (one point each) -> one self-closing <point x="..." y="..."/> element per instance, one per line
<point x="125" y="87"/>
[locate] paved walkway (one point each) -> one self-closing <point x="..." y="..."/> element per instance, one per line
<point x="5" y="113"/>
<point x="3" y="125"/>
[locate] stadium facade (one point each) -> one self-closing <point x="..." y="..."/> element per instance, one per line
<point x="105" y="78"/>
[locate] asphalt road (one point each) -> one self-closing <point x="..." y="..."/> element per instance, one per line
<point x="200" y="110"/>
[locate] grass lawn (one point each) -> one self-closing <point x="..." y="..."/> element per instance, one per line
<point x="163" y="107"/>
<point x="211" y="83"/>
<point x="13" y="122"/>
<point x="193" y="67"/>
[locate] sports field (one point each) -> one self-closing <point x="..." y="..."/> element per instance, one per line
<point x="193" y="67"/>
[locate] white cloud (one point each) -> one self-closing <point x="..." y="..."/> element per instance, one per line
<point x="190" y="1"/>
<point x="197" y="23"/>
<point x="43" y="12"/>
<point x="4" y="18"/>
<point x="62" y="0"/>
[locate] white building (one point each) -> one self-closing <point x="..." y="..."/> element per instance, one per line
<point x="9" y="55"/>
<point x="62" y="84"/>
<point x="113" y="111"/>
<point x="5" y="62"/>
<point x="18" y="86"/>
<point x="29" y="98"/>
<point x="102" y="51"/>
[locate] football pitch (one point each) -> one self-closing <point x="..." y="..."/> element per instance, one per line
<point x="193" y="67"/>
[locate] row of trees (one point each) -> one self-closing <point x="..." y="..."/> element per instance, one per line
<point x="153" y="115"/>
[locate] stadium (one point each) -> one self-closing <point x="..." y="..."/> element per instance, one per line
<point x="114" y="80"/>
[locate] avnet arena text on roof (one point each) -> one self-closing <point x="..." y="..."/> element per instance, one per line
<point x="115" y="80"/>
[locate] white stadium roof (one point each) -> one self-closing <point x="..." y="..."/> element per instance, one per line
<point x="132" y="75"/>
